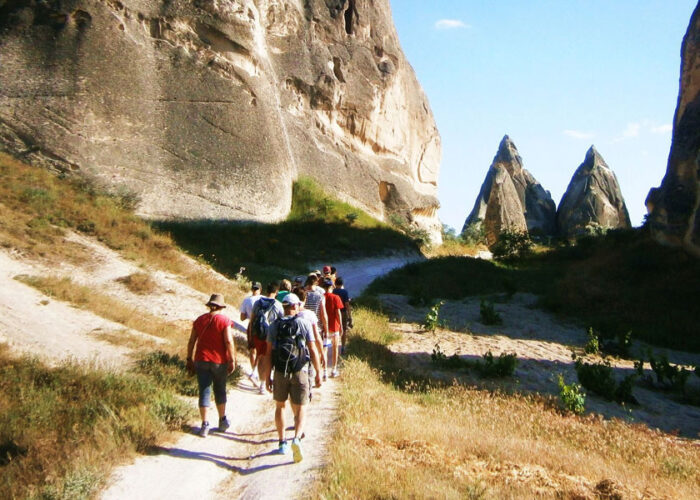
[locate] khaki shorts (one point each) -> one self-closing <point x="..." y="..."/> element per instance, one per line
<point x="295" y="387"/>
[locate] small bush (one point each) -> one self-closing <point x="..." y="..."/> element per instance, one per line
<point x="620" y="345"/>
<point x="571" y="396"/>
<point x="491" y="367"/>
<point x="140" y="283"/>
<point x="670" y="376"/>
<point x="598" y="377"/>
<point x="502" y="366"/>
<point x="432" y="319"/>
<point x="512" y="245"/>
<point x="593" y="344"/>
<point x="489" y="315"/>
<point x="474" y="234"/>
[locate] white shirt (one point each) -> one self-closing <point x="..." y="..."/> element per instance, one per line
<point x="248" y="303"/>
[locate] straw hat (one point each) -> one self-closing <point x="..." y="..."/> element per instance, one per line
<point x="216" y="300"/>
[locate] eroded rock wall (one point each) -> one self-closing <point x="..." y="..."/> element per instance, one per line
<point x="210" y="108"/>
<point x="674" y="208"/>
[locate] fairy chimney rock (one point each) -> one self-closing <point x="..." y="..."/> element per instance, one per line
<point x="592" y="198"/>
<point x="517" y="203"/>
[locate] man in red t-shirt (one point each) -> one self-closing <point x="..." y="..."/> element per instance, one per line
<point x="335" y="327"/>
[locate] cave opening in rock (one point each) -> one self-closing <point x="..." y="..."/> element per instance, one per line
<point x="350" y="17"/>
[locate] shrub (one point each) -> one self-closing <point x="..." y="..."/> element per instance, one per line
<point x="491" y="367"/>
<point x="503" y="366"/>
<point x="598" y="377"/>
<point x="432" y="319"/>
<point x="571" y="396"/>
<point x="140" y="283"/>
<point x="593" y="344"/>
<point x="620" y="345"/>
<point x="474" y="234"/>
<point x="670" y="376"/>
<point x="512" y="245"/>
<point x="489" y="315"/>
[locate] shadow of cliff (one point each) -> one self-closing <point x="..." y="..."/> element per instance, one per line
<point x="271" y="251"/>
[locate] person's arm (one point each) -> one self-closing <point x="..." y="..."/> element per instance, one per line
<point x="191" y="343"/>
<point x="314" y="359"/>
<point x="267" y="366"/>
<point x="324" y="314"/>
<point x="319" y="344"/>
<point x="231" y="348"/>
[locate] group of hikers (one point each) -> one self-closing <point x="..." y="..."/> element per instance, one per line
<point x="296" y="333"/>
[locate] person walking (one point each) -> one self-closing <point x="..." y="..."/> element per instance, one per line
<point x="311" y="317"/>
<point x="265" y="311"/>
<point x="290" y="347"/>
<point x="315" y="302"/>
<point x="246" y="314"/>
<point x="345" y="312"/>
<point x="334" y="305"/>
<point x="214" y="359"/>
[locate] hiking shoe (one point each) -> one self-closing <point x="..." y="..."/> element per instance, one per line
<point x="283" y="449"/>
<point x="224" y="424"/>
<point x="335" y="373"/>
<point x="325" y="375"/>
<point x="204" y="430"/>
<point x="296" y="450"/>
<point x="253" y="377"/>
<point x="262" y="391"/>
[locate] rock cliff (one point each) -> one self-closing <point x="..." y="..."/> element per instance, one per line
<point x="674" y="208"/>
<point x="210" y="108"/>
<point x="511" y="198"/>
<point x="593" y="197"/>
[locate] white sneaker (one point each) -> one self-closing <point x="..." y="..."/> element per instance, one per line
<point x="335" y="373"/>
<point x="262" y="390"/>
<point x="253" y="377"/>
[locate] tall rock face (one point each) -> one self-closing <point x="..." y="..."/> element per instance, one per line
<point x="593" y="197"/>
<point x="210" y="108"/>
<point x="511" y="198"/>
<point x="674" y="207"/>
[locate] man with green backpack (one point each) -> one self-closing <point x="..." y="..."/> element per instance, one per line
<point x="291" y="345"/>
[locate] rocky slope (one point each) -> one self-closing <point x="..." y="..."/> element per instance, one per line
<point x="511" y="198"/>
<point x="674" y="207"/>
<point x="210" y="108"/>
<point x="593" y="197"/>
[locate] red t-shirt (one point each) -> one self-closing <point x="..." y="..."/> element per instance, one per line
<point x="210" y="338"/>
<point x="333" y="305"/>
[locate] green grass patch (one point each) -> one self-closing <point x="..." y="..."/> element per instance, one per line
<point x="62" y="428"/>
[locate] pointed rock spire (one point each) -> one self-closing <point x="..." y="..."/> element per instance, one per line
<point x="593" y="197"/>
<point x="511" y="198"/>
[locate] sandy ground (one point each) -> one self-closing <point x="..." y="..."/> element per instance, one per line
<point x="543" y="345"/>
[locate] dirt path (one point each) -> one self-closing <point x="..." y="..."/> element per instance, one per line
<point x="358" y="274"/>
<point x="239" y="463"/>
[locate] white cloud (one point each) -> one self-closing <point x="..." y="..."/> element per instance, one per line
<point x="632" y="130"/>
<point x="662" y="129"/>
<point x="450" y="24"/>
<point x="577" y="134"/>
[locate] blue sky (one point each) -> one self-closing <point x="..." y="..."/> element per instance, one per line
<point x="556" y="76"/>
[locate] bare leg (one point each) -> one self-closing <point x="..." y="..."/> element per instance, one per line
<point x="222" y="410"/>
<point x="334" y="350"/>
<point x="279" y="419"/>
<point x="299" y="419"/>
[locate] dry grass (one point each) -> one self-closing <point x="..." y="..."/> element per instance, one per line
<point x="62" y="428"/>
<point x="107" y="307"/>
<point x="38" y="207"/>
<point x="454" y="248"/>
<point x="433" y="441"/>
<point x="139" y="283"/>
